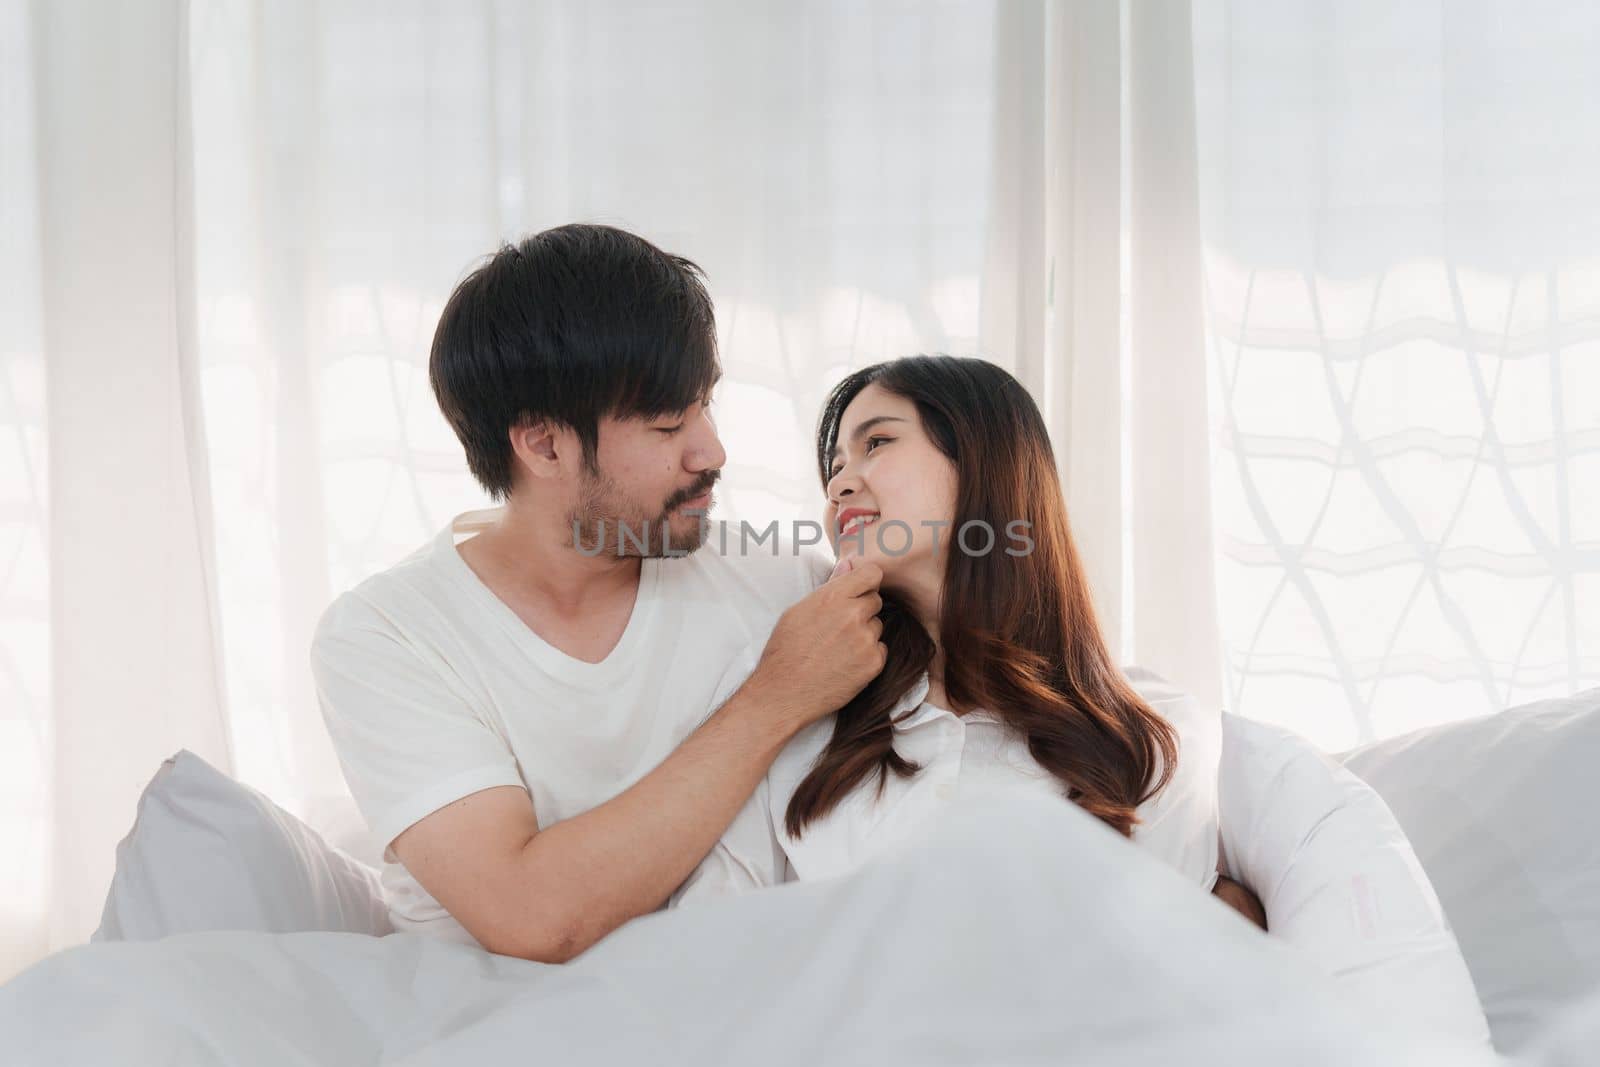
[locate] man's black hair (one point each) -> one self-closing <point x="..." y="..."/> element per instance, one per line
<point x="571" y="325"/>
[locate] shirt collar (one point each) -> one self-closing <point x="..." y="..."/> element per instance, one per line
<point x="904" y="714"/>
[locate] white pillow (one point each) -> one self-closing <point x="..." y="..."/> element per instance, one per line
<point x="1500" y="810"/>
<point x="206" y="853"/>
<point x="1339" y="881"/>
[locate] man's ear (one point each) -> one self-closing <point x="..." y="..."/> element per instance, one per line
<point x="541" y="448"/>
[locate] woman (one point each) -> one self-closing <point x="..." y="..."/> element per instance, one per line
<point x="940" y="471"/>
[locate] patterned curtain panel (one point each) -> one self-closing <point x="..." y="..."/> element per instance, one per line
<point x="1403" y="264"/>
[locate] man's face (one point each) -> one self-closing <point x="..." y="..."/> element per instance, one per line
<point x="655" y="479"/>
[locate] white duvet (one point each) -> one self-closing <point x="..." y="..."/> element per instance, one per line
<point x="946" y="951"/>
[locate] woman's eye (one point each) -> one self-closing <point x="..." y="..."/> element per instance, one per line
<point x="871" y="446"/>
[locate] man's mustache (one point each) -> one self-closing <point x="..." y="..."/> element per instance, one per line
<point x="701" y="485"/>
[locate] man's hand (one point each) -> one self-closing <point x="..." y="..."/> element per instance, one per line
<point x="1238" y="897"/>
<point x="825" y="649"/>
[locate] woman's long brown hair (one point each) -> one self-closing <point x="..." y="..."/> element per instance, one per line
<point x="1017" y="628"/>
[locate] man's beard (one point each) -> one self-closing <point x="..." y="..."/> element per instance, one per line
<point x="605" y="520"/>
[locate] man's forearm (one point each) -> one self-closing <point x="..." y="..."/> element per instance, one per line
<point x="589" y="874"/>
<point x="1241" y="899"/>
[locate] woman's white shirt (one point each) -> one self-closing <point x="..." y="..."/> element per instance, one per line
<point x="960" y="756"/>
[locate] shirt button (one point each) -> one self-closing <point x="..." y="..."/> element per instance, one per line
<point x="945" y="790"/>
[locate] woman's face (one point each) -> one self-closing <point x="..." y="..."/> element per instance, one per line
<point x="891" y="494"/>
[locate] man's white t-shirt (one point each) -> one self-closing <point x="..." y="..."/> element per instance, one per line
<point x="432" y="687"/>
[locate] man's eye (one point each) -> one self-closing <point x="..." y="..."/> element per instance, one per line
<point x="669" y="430"/>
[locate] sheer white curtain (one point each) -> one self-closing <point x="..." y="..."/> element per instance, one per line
<point x="229" y="227"/>
<point x="229" y="230"/>
<point x="826" y="165"/>
<point x="109" y="624"/>
<point x="1403" y="257"/>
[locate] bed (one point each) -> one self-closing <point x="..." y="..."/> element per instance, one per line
<point x="235" y="934"/>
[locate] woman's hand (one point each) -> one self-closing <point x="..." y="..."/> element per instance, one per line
<point x="1238" y="897"/>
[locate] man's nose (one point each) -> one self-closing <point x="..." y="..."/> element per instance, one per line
<point x="707" y="452"/>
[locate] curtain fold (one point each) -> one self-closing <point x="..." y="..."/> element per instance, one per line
<point x="1083" y="381"/>
<point x="25" y="612"/>
<point x="133" y="639"/>
<point x="1136" y="474"/>
<point x="1174" y="588"/>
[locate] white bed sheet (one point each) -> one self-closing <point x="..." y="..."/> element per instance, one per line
<point x="948" y="951"/>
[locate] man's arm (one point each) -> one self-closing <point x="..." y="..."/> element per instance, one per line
<point x="550" y="894"/>
<point x="1239" y="897"/>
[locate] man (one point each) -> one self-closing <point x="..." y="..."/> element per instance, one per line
<point x="523" y="717"/>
